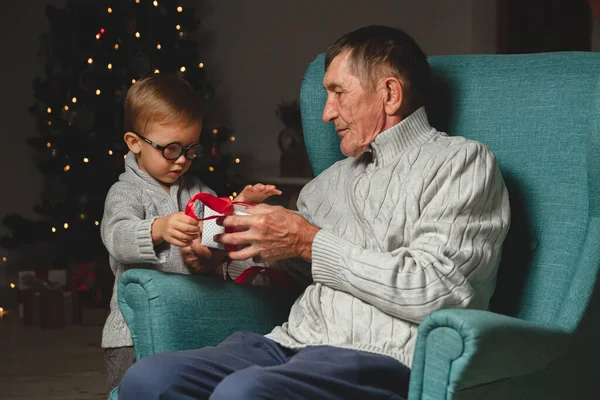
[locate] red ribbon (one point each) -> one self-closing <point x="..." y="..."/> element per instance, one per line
<point x="222" y="205"/>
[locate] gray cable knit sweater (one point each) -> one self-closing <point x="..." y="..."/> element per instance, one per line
<point x="413" y="226"/>
<point x="132" y="204"/>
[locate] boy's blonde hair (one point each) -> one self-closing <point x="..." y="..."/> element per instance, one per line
<point x="164" y="99"/>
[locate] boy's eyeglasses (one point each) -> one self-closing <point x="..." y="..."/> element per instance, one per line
<point x="173" y="151"/>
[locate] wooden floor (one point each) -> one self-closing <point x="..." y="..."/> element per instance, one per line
<point x="37" y="364"/>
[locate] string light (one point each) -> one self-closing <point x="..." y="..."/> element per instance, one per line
<point x="215" y="131"/>
<point x="12" y="285"/>
<point x="211" y="168"/>
<point x="155" y="3"/>
<point x="133" y="81"/>
<point x="178" y="27"/>
<point x="49" y="110"/>
<point x="66" y="226"/>
<point x="237" y="160"/>
<point x="181" y="34"/>
<point x="4" y="259"/>
<point x="157" y="71"/>
<point x="66" y="107"/>
<point x="96" y="223"/>
<point x="110" y="152"/>
<point x="102" y="31"/>
<point x="201" y="65"/>
<point x="90" y="60"/>
<point x="232" y="138"/>
<point x="109" y="66"/>
<point x="98" y="92"/>
<point x="137" y="35"/>
<point x="116" y="46"/>
<point x="48" y="145"/>
<point x="86" y="160"/>
<point x="182" y="69"/>
<point x="109" y="10"/>
<point x="179" y="9"/>
<point x="53" y="230"/>
<point x="67" y="168"/>
<point x="158" y="46"/>
<point x="234" y="194"/>
<point x="97" y="36"/>
<point x="74" y="99"/>
<point x="49" y="123"/>
<point x="82" y="216"/>
<point x="137" y="1"/>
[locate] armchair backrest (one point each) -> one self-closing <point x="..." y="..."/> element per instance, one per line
<point x="540" y="115"/>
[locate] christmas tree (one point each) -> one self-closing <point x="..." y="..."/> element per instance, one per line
<point x="95" y="50"/>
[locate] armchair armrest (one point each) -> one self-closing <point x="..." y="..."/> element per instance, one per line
<point x="177" y="312"/>
<point x="471" y="354"/>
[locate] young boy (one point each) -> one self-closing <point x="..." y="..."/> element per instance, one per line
<point x="143" y="224"/>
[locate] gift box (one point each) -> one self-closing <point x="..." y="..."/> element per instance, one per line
<point x="49" y="309"/>
<point x="214" y="207"/>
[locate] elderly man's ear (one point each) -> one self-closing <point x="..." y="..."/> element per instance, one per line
<point x="391" y="91"/>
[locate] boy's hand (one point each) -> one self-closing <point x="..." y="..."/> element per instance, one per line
<point x="257" y="193"/>
<point x="201" y="259"/>
<point x="177" y="229"/>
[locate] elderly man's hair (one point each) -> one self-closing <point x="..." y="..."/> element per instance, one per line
<point x="377" y="52"/>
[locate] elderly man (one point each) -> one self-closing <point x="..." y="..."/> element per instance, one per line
<point x="411" y="222"/>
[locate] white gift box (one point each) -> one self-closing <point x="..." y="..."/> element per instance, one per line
<point x="210" y="227"/>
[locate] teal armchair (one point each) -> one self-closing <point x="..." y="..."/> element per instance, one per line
<point x="540" y="114"/>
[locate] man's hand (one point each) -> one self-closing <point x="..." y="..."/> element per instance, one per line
<point x="177" y="229"/>
<point x="200" y="259"/>
<point x="269" y="233"/>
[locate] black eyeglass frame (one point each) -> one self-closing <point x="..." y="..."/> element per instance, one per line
<point x="182" y="150"/>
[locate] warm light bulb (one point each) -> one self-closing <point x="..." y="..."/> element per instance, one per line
<point x="48" y="145"/>
<point x="74" y="99"/>
<point x="234" y="194"/>
<point x="109" y="10"/>
<point x="49" y="123"/>
<point x="215" y="131"/>
<point x="66" y="107"/>
<point x="4" y="259"/>
<point x="133" y="81"/>
<point x="179" y="9"/>
<point x="156" y="71"/>
<point x="124" y="156"/>
<point x="12" y="286"/>
<point x="237" y="160"/>
<point x="67" y="167"/>
<point x="98" y="92"/>
<point x="49" y="110"/>
<point x="201" y="65"/>
<point x="155" y="3"/>
<point x="96" y="223"/>
<point x="109" y="66"/>
<point x="178" y="27"/>
<point x="181" y="34"/>
<point x="1" y="310"/>
<point x="211" y="168"/>
<point x="158" y="46"/>
<point x="66" y="226"/>
<point x="137" y="1"/>
<point x="53" y="230"/>
<point x="137" y="35"/>
<point x="110" y="152"/>
<point x="182" y="69"/>
<point x="86" y="160"/>
<point x="90" y="60"/>
<point x="97" y="36"/>
<point x="82" y="216"/>
<point x="232" y="138"/>
<point x="116" y="46"/>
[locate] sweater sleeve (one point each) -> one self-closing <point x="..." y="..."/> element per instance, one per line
<point x="125" y="231"/>
<point x="454" y="241"/>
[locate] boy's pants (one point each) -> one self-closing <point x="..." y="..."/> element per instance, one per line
<point x="250" y="366"/>
<point x="117" y="361"/>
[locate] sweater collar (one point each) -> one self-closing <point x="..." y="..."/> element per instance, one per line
<point x="133" y="170"/>
<point x="412" y="131"/>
